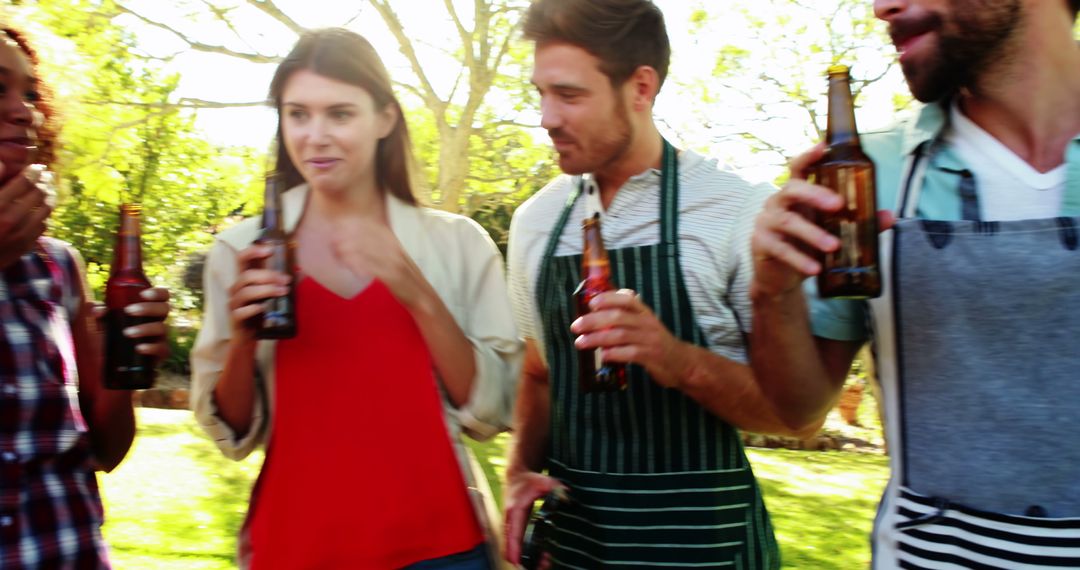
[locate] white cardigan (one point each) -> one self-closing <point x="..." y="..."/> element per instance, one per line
<point x="462" y="264"/>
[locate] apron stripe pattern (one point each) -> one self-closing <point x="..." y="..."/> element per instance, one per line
<point x="656" y="480"/>
<point x="986" y="317"/>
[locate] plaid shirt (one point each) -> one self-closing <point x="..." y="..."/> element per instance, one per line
<point x="50" y="509"/>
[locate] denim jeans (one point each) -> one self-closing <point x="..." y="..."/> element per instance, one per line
<point x="475" y="559"/>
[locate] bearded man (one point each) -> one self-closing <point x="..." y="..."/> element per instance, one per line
<point x="656" y="472"/>
<point x="976" y="331"/>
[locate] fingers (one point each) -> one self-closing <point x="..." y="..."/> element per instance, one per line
<point x="159" y="350"/>
<point x="252" y="256"/>
<point x="252" y="287"/>
<point x="25" y="205"/>
<point x="515" y="531"/>
<point x="783" y="234"/>
<point x="19" y="186"/>
<point x="155" y="304"/>
<point x="800" y="165"/>
<point x="800" y="196"/>
<point x="610" y="309"/>
<point x="886" y="220"/>
<point x="771" y="246"/>
<point x="522" y="490"/>
<point x="257" y="284"/>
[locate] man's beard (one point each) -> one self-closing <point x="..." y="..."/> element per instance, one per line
<point x="974" y="39"/>
<point x="616" y="147"/>
<point x="607" y="150"/>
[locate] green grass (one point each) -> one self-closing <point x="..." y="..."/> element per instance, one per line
<point x="177" y="503"/>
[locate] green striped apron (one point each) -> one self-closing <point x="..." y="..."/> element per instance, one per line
<point x="656" y="480"/>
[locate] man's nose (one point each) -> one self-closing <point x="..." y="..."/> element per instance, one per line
<point x="886" y="9"/>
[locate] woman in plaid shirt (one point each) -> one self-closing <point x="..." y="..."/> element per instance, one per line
<point x="57" y="423"/>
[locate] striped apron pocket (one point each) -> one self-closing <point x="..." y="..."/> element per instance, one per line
<point x="686" y="519"/>
<point x="934" y="533"/>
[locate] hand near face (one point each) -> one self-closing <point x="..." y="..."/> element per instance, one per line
<point x="25" y="204"/>
<point x="628" y="331"/>
<point x="372" y="250"/>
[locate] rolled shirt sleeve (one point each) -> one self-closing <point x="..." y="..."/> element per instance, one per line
<point x="208" y="358"/>
<point x="486" y="318"/>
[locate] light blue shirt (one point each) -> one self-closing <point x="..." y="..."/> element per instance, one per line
<point x="891" y="151"/>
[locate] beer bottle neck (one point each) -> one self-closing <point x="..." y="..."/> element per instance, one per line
<point x="841" y="125"/>
<point x="272" y="220"/>
<point x="594" y="258"/>
<point x="128" y="252"/>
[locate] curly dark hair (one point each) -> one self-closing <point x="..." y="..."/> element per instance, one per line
<point x="49" y="129"/>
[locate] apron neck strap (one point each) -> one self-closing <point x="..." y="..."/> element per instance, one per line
<point x="912" y="184"/>
<point x="669" y="204"/>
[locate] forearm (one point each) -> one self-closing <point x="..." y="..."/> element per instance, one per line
<point x="111" y="421"/>
<point x="788" y="363"/>
<point x="109" y="414"/>
<point x="531" y="426"/>
<point x="727" y="389"/>
<point x="451" y="351"/>
<point x="234" y="393"/>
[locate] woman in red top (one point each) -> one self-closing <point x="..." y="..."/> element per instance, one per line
<point x="403" y="322"/>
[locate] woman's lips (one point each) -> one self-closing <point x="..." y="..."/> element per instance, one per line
<point x="322" y="163"/>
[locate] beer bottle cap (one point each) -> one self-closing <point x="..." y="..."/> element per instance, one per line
<point x="837" y="69"/>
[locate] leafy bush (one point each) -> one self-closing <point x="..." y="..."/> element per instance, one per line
<point x="181" y="339"/>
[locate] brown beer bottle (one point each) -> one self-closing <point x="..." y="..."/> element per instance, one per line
<point x="278" y="320"/>
<point x="852" y="270"/>
<point x="595" y="375"/>
<point x="126" y="369"/>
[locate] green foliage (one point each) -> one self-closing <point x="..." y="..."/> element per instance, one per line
<point x="124" y="140"/>
<point x="767" y="89"/>
<point x="181" y="339"/>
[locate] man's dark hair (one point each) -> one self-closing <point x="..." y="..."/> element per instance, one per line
<point x="1075" y="5"/>
<point x="622" y="34"/>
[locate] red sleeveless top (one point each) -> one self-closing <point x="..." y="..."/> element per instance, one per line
<point x="360" y="470"/>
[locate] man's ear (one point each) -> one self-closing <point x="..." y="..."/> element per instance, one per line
<point x="645" y="83"/>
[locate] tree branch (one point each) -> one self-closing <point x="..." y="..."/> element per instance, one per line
<point x="270" y="9"/>
<point x="182" y="103"/>
<point x="428" y="95"/>
<point x="199" y="46"/>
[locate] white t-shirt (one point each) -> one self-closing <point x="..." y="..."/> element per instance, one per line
<point x="1008" y="187"/>
<point x="716" y="218"/>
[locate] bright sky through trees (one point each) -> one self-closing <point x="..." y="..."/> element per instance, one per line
<point x="708" y="127"/>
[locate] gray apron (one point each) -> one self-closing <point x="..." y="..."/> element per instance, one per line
<point x="657" y="481"/>
<point x="986" y="318"/>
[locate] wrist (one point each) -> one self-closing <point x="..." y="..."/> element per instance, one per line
<point x="425" y="303"/>
<point x="243" y="341"/>
<point x="761" y="295"/>
<point x="682" y="367"/>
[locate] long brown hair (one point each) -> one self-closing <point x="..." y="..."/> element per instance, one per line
<point x="348" y="57"/>
<point x="622" y="34"/>
<point x="48" y="130"/>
